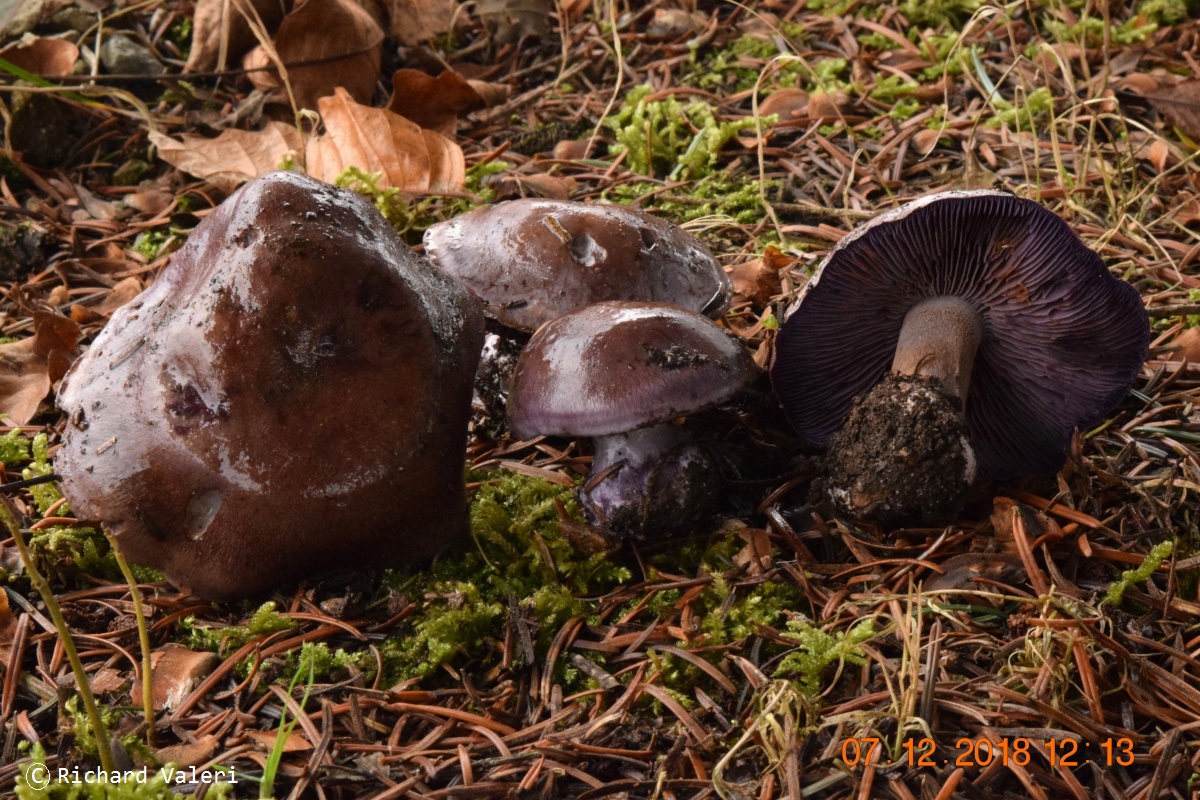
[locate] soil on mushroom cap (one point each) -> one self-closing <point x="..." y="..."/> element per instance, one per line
<point x="902" y="457"/>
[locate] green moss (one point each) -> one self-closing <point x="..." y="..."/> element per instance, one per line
<point x="670" y="138"/>
<point x="411" y="219"/>
<point x="264" y="621"/>
<point x="1165" y="12"/>
<point x="1089" y="31"/>
<point x="737" y="67"/>
<point x="520" y="563"/>
<point x="827" y="74"/>
<point x="131" y="172"/>
<point x="818" y="651"/>
<point x="716" y="195"/>
<point x="45" y="495"/>
<point x="1130" y="578"/>
<point x="878" y="41"/>
<point x="1023" y="117"/>
<point x="891" y="88"/>
<point x="14" y="447"/>
<point x="1193" y="320"/>
<point x="936" y="13"/>
<point x="150" y="244"/>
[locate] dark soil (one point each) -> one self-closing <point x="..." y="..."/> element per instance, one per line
<point x="903" y="458"/>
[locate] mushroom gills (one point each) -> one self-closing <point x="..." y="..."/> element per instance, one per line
<point x="650" y="480"/>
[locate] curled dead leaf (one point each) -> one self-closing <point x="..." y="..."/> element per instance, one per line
<point x="232" y="158"/>
<point x="189" y="754"/>
<point x="827" y="104"/>
<point x="436" y="103"/>
<point x="324" y="45"/>
<point x="758" y="279"/>
<point x="406" y="156"/>
<point x="786" y="103"/>
<point x="52" y="58"/>
<point x="29" y="368"/>
<point x="176" y="671"/>
<point x="416" y="21"/>
<point x="114" y="298"/>
<point x="267" y="739"/>
<point x="1188" y="343"/>
<point x="229" y="23"/>
<point x="977" y="572"/>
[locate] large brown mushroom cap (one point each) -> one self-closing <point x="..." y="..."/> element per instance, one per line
<point x="619" y="366"/>
<point x="288" y="398"/>
<point x="1061" y="340"/>
<point x="530" y="261"/>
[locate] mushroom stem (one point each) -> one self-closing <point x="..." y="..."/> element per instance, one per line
<point x="938" y="340"/>
<point x="648" y="478"/>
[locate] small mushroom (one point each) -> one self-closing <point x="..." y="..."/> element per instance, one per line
<point x="621" y="372"/>
<point x="531" y="261"/>
<point x="988" y="309"/>
<point x="288" y="398"/>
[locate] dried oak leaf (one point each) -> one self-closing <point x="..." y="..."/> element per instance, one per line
<point x="228" y="21"/>
<point x="416" y="21"/>
<point x="232" y="158"/>
<point x="30" y="367"/>
<point x="52" y="58"/>
<point x="436" y="103"/>
<point x="324" y="45"/>
<point x="408" y="157"/>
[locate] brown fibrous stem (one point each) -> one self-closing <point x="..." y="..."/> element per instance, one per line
<point x="9" y="518"/>
<point x="939" y="339"/>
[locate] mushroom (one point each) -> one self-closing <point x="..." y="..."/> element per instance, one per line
<point x="288" y="398"/>
<point x="1003" y="333"/>
<point x="531" y="261"/>
<point x="621" y="372"/>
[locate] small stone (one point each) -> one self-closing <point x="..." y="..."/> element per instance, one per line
<point x="17" y="17"/>
<point x="120" y="55"/>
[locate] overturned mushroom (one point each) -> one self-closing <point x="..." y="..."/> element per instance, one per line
<point x="531" y="261"/>
<point x="620" y="372"/>
<point x="986" y="307"/>
<point x="290" y="397"/>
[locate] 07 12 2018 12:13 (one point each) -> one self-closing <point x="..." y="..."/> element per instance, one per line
<point x="1065" y="751"/>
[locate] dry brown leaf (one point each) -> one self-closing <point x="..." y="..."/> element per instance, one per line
<point x="176" y="671"/>
<point x="189" y="754"/>
<point x="925" y="140"/>
<point x="416" y="21"/>
<point x="114" y="298"/>
<point x="1188" y="343"/>
<point x="30" y="367"/>
<point x="324" y="44"/>
<point x="976" y="572"/>
<point x="232" y="158"/>
<point x="758" y="279"/>
<point x="827" y="104"/>
<point x="107" y="681"/>
<point x="433" y="103"/>
<point x="52" y="58"/>
<point x="151" y="203"/>
<point x="266" y="740"/>
<point x="408" y="157"/>
<point x="675" y="23"/>
<point x="787" y="103"/>
<point x="210" y="26"/>
<point x="515" y="19"/>
<point x="1177" y="103"/>
<point x="571" y="149"/>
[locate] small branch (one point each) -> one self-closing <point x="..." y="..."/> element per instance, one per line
<point x="1177" y="310"/>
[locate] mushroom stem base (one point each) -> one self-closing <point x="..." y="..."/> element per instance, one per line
<point x="650" y="483"/>
<point x="903" y="458"/>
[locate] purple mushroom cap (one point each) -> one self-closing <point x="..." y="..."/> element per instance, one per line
<point x="530" y="261"/>
<point x="1062" y="338"/>
<point x="619" y="366"/>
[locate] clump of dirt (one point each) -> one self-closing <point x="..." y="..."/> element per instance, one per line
<point x="493" y="377"/>
<point x="903" y="458"/>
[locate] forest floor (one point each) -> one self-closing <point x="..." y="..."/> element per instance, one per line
<point x="1044" y="645"/>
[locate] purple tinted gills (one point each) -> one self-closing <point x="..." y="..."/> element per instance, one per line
<point x="1062" y="337"/>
